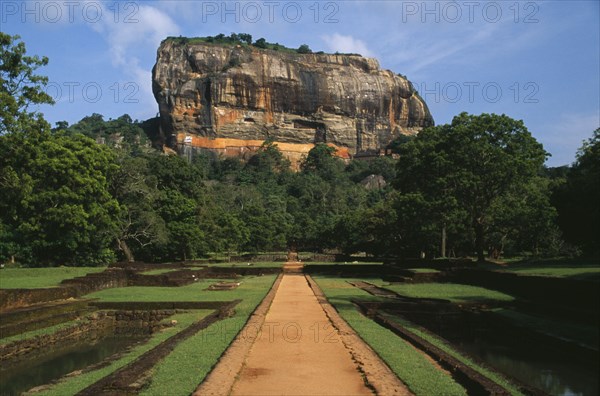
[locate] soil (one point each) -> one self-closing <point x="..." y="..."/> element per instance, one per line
<point x="302" y="348"/>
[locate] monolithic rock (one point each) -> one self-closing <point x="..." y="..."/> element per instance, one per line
<point x="229" y="99"/>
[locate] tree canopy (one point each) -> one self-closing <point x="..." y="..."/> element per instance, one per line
<point x="96" y="191"/>
<point x="20" y="87"/>
<point x="462" y="168"/>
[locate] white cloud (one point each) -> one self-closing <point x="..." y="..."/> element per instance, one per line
<point x="346" y="44"/>
<point x="133" y="36"/>
<point x="144" y="28"/>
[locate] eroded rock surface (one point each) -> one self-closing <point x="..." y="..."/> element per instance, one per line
<point x="230" y="99"/>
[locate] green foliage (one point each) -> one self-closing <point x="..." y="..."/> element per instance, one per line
<point x="242" y="39"/>
<point x="122" y="133"/>
<point x="20" y="87"/>
<point x="577" y="199"/>
<point x="322" y="161"/>
<point x="55" y="203"/>
<point x="461" y="169"/>
<point x="523" y="219"/>
<point x="260" y="43"/>
<point x="304" y="49"/>
<point x="65" y="199"/>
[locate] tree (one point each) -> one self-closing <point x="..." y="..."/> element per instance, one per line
<point x="245" y="37"/>
<point x="20" y="87"/>
<point x="267" y="164"/>
<point x="136" y="189"/>
<point x="304" y="49"/>
<point x="523" y="219"/>
<point x="577" y="199"/>
<point x="54" y="198"/>
<point x="322" y="161"/>
<point x="260" y="43"/>
<point x="466" y="165"/>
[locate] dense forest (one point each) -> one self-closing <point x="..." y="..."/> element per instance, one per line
<point x="97" y="191"/>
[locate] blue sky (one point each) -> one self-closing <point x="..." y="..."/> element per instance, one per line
<point x="538" y="61"/>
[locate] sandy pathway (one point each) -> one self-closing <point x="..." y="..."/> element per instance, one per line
<point x="298" y="351"/>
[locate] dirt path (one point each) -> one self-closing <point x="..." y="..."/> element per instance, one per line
<point x="299" y="352"/>
<point x="302" y="348"/>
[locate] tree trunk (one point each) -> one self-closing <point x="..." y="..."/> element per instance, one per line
<point x="123" y="246"/>
<point x="443" y="250"/>
<point x="479" y="245"/>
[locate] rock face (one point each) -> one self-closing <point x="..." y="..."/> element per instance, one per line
<point x="230" y="99"/>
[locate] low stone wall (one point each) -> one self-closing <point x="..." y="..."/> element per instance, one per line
<point x="138" y="322"/>
<point x="14" y="298"/>
<point x="69" y="288"/>
<point x="111" y="277"/>
<point x="96" y="326"/>
<point x="157" y="305"/>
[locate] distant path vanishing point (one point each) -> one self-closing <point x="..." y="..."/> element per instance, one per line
<point x="303" y="348"/>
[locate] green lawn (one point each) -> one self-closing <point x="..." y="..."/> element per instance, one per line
<point x="189" y="363"/>
<point x="410" y="365"/>
<point x="583" y="272"/>
<point x="424" y="270"/>
<point x="447" y="291"/>
<point x="35" y="278"/>
<point x="192" y="292"/>
<point x="191" y="360"/>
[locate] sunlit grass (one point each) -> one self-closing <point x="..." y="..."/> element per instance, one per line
<point x="446" y="291"/>
<point x="191" y="360"/>
<point x="576" y="272"/>
<point x="35" y="278"/>
<point x="193" y="292"/>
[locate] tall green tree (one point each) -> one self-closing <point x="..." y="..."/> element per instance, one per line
<point x="468" y="164"/>
<point x="136" y="189"/>
<point x="577" y="199"/>
<point x="20" y="87"/>
<point x="55" y="200"/>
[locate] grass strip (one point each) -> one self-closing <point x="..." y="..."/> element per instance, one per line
<point x="583" y="272"/>
<point x="258" y="264"/>
<point x="38" y="278"/>
<point x="410" y="365"/>
<point x="74" y="384"/>
<point x="192" y="292"/>
<point x="191" y="360"/>
<point x="447" y="291"/>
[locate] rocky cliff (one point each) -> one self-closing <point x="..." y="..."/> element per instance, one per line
<point x="231" y="98"/>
